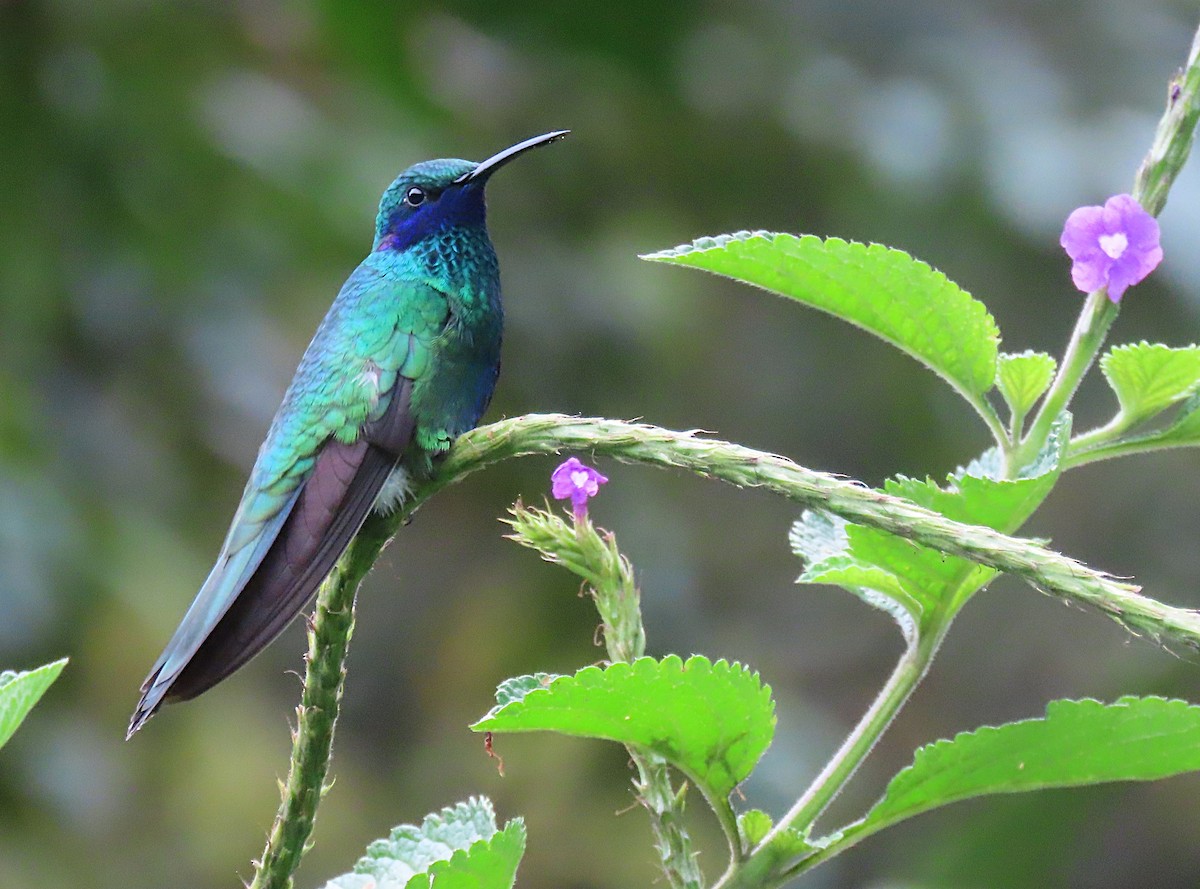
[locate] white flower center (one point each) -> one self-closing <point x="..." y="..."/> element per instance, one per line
<point x="1114" y="245"/>
<point x="579" y="479"/>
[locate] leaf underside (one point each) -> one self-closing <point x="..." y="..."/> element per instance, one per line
<point x="458" y="848"/>
<point x="908" y="580"/>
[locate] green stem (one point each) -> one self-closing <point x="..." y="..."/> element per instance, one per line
<point x="1101" y="436"/>
<point x="329" y="635"/>
<point x="1091" y="329"/>
<point x="595" y="558"/>
<point x="1174" y="136"/>
<point x="994" y="424"/>
<point x="765" y="867"/>
<point x="1142" y="444"/>
<point x="1168" y="152"/>
<point x="850" y="835"/>
<point x="666" y="804"/>
<point x="909" y="672"/>
<point x="709" y="458"/>
<point x="1015" y="424"/>
<point x="1047" y="571"/>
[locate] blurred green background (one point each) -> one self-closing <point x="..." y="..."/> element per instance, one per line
<point x="184" y="186"/>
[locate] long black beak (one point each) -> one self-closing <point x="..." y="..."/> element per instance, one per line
<point x="496" y="161"/>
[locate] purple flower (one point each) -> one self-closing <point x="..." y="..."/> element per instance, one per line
<point x="1116" y="244"/>
<point x="578" y="482"/>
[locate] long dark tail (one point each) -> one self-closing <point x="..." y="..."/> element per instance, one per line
<point x="331" y="506"/>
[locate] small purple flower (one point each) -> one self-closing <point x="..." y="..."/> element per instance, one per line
<point x="578" y="482"/>
<point x="1116" y="244"/>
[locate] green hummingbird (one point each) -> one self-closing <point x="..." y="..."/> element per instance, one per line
<point x="404" y="362"/>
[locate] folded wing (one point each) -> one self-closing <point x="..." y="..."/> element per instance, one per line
<point x="251" y="596"/>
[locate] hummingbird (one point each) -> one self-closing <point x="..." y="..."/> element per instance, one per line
<point x="404" y="362"/>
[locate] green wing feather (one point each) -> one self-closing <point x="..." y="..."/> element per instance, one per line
<point x="378" y="331"/>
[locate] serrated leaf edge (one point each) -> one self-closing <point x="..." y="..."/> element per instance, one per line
<point x="459" y="855"/>
<point x="1150" y="348"/>
<point x="643" y="666"/>
<point x="972" y="392"/>
<point x="983" y="731"/>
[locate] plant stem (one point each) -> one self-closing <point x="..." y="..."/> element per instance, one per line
<point x="1141" y="444"/>
<point x="994" y="424"/>
<point x="1168" y="152"/>
<point x="594" y="557"/>
<point x="1091" y="329"/>
<point x="665" y="805"/>
<point x="1047" y="571"/>
<point x="909" y="672"/>
<point x="1101" y="436"/>
<point x="764" y="867"/>
<point x="1016" y="423"/>
<point x="329" y="635"/>
<point x="710" y="458"/>
<point x="619" y="602"/>
<point x="1174" y="136"/>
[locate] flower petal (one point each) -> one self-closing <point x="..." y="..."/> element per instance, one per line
<point x="1121" y="221"/>
<point x="1130" y="269"/>
<point x="1082" y="231"/>
<point x="561" y="484"/>
<point x="1143" y="231"/>
<point x="577" y="482"/>
<point x="1091" y="273"/>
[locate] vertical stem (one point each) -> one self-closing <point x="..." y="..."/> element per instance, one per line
<point x="906" y="676"/>
<point x="763" y="867"/>
<point x="1173" y="138"/>
<point x="594" y="556"/>
<point x="329" y="633"/>
<point x="619" y="602"/>
<point x="665" y="805"/>
<point x="1001" y="436"/>
<point x="1091" y="329"/>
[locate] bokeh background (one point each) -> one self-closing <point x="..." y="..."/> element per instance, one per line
<point x="183" y="187"/>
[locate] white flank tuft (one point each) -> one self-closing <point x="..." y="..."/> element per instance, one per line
<point x="394" y="492"/>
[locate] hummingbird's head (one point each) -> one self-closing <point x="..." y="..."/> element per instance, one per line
<point x="431" y="197"/>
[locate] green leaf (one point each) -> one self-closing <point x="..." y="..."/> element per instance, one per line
<point x="713" y="721"/>
<point x="1023" y="377"/>
<point x="790" y="844"/>
<point x="876" y="586"/>
<point x="1182" y="431"/>
<point x="458" y="848"/>
<point x="1077" y="743"/>
<point x="1149" y="377"/>
<point x="20" y="691"/>
<point x="516" y="688"/>
<point x="932" y="577"/>
<point x="846" y="572"/>
<point x="910" y="581"/>
<point x="821" y="540"/>
<point x="1185" y="429"/>
<point x="753" y="827"/>
<point x="884" y="291"/>
<point x="818" y="535"/>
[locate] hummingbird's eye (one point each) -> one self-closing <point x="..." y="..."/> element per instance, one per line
<point x="415" y="196"/>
